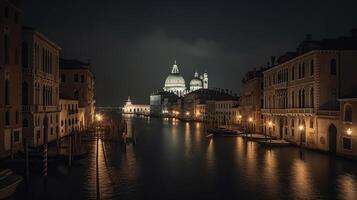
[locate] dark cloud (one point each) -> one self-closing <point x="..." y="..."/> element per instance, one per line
<point x="133" y="43"/>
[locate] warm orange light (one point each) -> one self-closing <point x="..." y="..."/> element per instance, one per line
<point x="187" y="113"/>
<point x="250" y="119"/>
<point x="301" y="127"/>
<point x="270" y="123"/>
<point x="349" y="131"/>
<point x="99" y="117"/>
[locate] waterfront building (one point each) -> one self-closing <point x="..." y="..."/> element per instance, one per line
<point x="225" y="114"/>
<point x="10" y="77"/>
<point x="40" y="88"/>
<point x="251" y="101"/>
<point x="130" y="108"/>
<point x="71" y="117"/>
<point x="301" y="91"/>
<point x="77" y="82"/>
<point x="162" y="103"/>
<point x="193" y="105"/>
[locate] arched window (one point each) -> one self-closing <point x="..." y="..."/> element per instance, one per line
<point x="293" y="99"/>
<point x="25" y="93"/>
<point x="43" y="95"/>
<point x="312" y="98"/>
<point x="7" y="118"/>
<point x="348" y="113"/>
<point x="333" y="70"/>
<point x="7" y="92"/>
<point x="24" y="55"/>
<point x="303" y="98"/>
<point x="25" y="123"/>
<point x="300" y="102"/>
<point x="76" y="94"/>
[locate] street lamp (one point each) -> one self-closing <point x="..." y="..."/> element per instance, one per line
<point x="301" y="128"/>
<point x="270" y="124"/>
<point x="99" y="117"/>
<point x="250" y="124"/>
<point x="349" y="131"/>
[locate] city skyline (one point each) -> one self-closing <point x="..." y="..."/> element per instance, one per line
<point x="126" y="41"/>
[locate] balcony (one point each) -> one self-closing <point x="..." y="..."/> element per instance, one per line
<point x="280" y="86"/>
<point x="47" y="108"/>
<point x="332" y="113"/>
<point x="27" y="108"/>
<point x="300" y="111"/>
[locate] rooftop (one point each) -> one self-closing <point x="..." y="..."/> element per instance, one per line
<point x="74" y="64"/>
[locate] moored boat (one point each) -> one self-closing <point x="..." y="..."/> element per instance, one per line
<point x="222" y="132"/>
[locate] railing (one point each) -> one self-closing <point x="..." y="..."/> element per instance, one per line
<point x="47" y="108"/>
<point x="282" y="85"/>
<point x="328" y="112"/>
<point x="288" y="111"/>
<point x="27" y="108"/>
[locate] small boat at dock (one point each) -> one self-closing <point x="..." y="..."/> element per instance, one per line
<point x="222" y="132"/>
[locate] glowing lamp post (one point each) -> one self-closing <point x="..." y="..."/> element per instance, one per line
<point x="349" y="131"/>
<point x="301" y="128"/>
<point x="270" y="124"/>
<point x="251" y="124"/>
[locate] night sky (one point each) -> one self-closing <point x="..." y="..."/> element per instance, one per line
<point x="133" y="44"/>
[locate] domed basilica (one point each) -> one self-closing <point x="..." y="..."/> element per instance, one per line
<point x="175" y="83"/>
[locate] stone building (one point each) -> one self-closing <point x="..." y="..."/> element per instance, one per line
<point x="130" y="108"/>
<point x="347" y="137"/>
<point x="162" y="103"/>
<point x="71" y="117"/>
<point x="301" y="91"/>
<point x="251" y="101"/>
<point x="77" y="82"/>
<point x="10" y="77"/>
<point x="40" y="87"/>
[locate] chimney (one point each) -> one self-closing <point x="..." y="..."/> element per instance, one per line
<point x="353" y="32"/>
<point x="272" y="59"/>
<point x="308" y="37"/>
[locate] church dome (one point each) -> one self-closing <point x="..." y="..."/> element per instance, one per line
<point x="175" y="82"/>
<point x="196" y="83"/>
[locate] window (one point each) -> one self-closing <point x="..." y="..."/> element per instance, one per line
<point x="311" y="67"/>
<point x="16" y="136"/>
<point x="293" y="99"/>
<point x="25" y="123"/>
<point x="17" y="117"/>
<point x="7" y="92"/>
<point x="7" y="118"/>
<point x="6" y="49"/>
<point x="75" y="78"/>
<point x="24" y="93"/>
<point x="63" y="78"/>
<point x="348" y="113"/>
<point x="51" y="131"/>
<point x="303" y="70"/>
<point x="61" y="122"/>
<point x="312" y="98"/>
<point x="82" y="78"/>
<point x="333" y="70"/>
<point x="347" y="143"/>
<point x="299" y="70"/>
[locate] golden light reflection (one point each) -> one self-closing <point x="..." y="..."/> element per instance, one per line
<point x="210" y="157"/>
<point x="187" y="141"/>
<point x="302" y="180"/>
<point x="271" y="174"/>
<point x="347" y="186"/>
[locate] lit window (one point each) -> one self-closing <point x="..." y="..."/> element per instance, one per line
<point x="348" y="113"/>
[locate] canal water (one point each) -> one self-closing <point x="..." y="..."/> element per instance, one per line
<point x="175" y="160"/>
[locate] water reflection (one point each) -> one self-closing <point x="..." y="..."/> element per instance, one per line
<point x="271" y="174"/>
<point x="347" y="185"/>
<point x="302" y="183"/>
<point x="210" y="157"/>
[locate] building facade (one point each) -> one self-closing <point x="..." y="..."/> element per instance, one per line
<point x="130" y="108"/>
<point x="301" y="92"/>
<point x="77" y="82"/>
<point x="10" y="77"/>
<point x="40" y="88"/>
<point x="251" y="101"/>
<point x="71" y="117"/>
